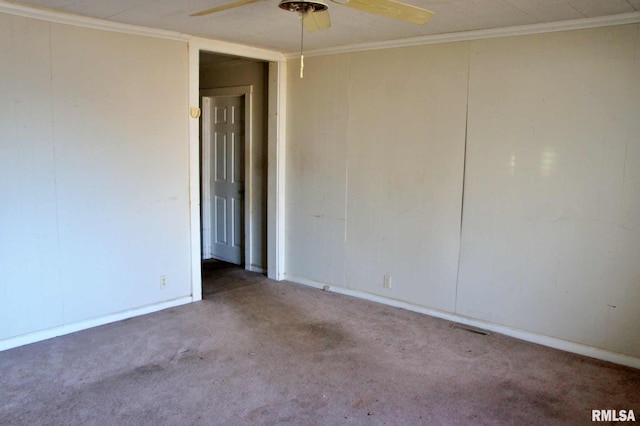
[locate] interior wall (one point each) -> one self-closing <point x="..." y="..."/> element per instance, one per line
<point x="94" y="173"/>
<point x="243" y="73"/>
<point x="551" y="230"/>
<point x="548" y="241"/>
<point x="374" y="171"/>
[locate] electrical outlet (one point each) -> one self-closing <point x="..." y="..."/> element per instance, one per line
<point x="163" y="281"/>
<point x="387" y="281"/>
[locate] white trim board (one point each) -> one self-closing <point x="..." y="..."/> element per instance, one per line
<point x="276" y="148"/>
<point x="552" y="342"/>
<point x="574" y="24"/>
<point x="25" y="339"/>
<point x="216" y="46"/>
<point x="87" y="22"/>
<point x="276" y="178"/>
<point x="194" y="174"/>
<point x="219" y="46"/>
<point x="228" y="48"/>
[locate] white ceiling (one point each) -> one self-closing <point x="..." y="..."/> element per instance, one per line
<point x="263" y="24"/>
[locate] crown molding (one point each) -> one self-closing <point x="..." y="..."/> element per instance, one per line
<point x="574" y="24"/>
<point x="220" y="46"/>
<point x="216" y="46"/>
<point x="87" y="22"/>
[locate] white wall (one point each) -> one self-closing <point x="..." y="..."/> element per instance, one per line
<point x="374" y="171"/>
<point x="94" y="173"/>
<point x="244" y="73"/>
<point x="550" y="233"/>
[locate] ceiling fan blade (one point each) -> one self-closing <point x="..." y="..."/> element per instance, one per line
<point x="315" y="21"/>
<point x="224" y="7"/>
<point x="390" y="9"/>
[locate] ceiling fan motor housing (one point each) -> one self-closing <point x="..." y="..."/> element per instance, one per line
<point x="302" y="6"/>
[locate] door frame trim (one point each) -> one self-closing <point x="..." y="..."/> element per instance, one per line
<point x="276" y="140"/>
<point x="276" y="161"/>
<point x="235" y="91"/>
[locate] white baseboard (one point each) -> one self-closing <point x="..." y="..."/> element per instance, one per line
<point x="528" y="336"/>
<point x="252" y="268"/>
<point x="49" y="333"/>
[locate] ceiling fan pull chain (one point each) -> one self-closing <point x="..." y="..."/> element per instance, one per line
<point x="301" y="44"/>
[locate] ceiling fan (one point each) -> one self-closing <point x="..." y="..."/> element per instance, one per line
<point x="314" y="14"/>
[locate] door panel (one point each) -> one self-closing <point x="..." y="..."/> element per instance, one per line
<point x="226" y="180"/>
<point x="237" y="222"/>
<point x="220" y="156"/>
<point x="220" y="220"/>
<point x="238" y="160"/>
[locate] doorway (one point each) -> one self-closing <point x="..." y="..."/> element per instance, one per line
<point x="209" y="70"/>
<point x="234" y="95"/>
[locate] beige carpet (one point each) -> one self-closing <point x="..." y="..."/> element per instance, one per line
<point x="260" y="352"/>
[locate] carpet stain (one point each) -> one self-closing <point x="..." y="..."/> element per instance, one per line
<point x="287" y="411"/>
<point x="363" y="402"/>
<point x="541" y="402"/>
<point x="324" y="336"/>
<point x="186" y="356"/>
<point x="146" y="370"/>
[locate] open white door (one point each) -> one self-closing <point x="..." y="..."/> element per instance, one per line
<point x="223" y="175"/>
